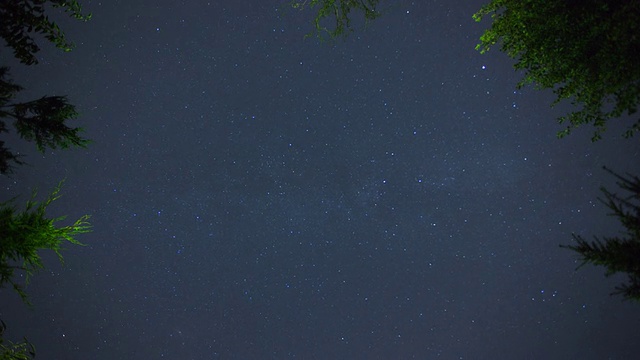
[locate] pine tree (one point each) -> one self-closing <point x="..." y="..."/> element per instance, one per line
<point x="23" y="234"/>
<point x="9" y="350"/>
<point x="338" y="13"/>
<point x="618" y="254"/>
<point x="42" y="120"/>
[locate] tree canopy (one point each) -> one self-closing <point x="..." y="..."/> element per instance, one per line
<point x="341" y="11"/>
<point x="618" y="254"/>
<point x="21" y="18"/>
<point x="9" y="350"/>
<point x="23" y="234"/>
<point x="41" y="121"/>
<point x="586" y="51"/>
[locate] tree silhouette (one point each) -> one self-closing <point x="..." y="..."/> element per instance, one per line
<point x="618" y="254"/>
<point x="21" y="18"/>
<point x="585" y="51"/>
<point x="9" y="350"/>
<point x="24" y="234"/>
<point x="338" y="9"/>
<point x="42" y="121"/>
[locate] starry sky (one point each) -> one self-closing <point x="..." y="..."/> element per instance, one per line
<point x="258" y="195"/>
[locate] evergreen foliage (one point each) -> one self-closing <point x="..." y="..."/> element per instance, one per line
<point x="618" y="254"/>
<point x="9" y="350"/>
<point x="19" y="19"/>
<point x="341" y="11"/>
<point x="23" y="234"/>
<point x="42" y="121"/>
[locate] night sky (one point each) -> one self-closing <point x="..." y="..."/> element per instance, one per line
<point x="257" y="195"/>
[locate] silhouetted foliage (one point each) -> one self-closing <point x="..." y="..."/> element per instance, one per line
<point x="9" y="350"/>
<point x="23" y="234"/>
<point x="19" y="19"/>
<point x="586" y="51"/>
<point x="340" y="10"/>
<point x="618" y="254"/>
<point x="41" y="121"/>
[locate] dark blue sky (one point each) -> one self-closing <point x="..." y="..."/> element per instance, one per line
<point x="255" y="195"/>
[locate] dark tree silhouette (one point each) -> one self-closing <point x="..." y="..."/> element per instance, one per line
<point x="341" y="11"/>
<point x="42" y="121"/>
<point x="23" y="234"/>
<point x="586" y="51"/>
<point x="618" y="254"/>
<point x="10" y="350"/>
<point x="19" y="19"/>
